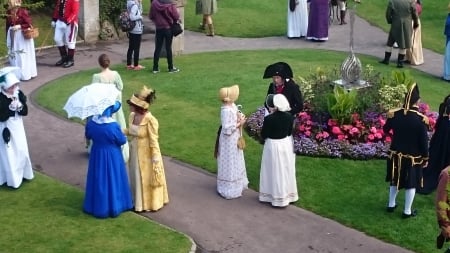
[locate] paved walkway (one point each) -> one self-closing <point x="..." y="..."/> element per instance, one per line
<point x="216" y="225"/>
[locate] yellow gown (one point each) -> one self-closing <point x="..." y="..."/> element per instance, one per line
<point x="147" y="177"/>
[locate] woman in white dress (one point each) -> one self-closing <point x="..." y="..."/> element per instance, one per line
<point x="297" y="18"/>
<point x="278" y="184"/>
<point x="15" y="164"/>
<point x="231" y="172"/>
<point x="21" y="52"/>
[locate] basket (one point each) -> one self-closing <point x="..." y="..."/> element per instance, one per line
<point x="31" y="33"/>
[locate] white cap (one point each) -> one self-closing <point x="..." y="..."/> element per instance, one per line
<point x="9" y="76"/>
<point x="281" y="103"/>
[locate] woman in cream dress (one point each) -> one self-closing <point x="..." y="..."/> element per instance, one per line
<point x="112" y="77"/>
<point x="146" y="169"/>
<point x="21" y="51"/>
<point x="231" y="172"/>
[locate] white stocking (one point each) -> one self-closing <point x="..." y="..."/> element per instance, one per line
<point x="409" y="198"/>
<point x="392" y="195"/>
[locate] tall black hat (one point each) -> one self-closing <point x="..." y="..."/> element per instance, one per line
<point x="444" y="107"/>
<point x="412" y="96"/>
<point x="278" y="69"/>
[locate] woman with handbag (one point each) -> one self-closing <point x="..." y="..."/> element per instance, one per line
<point x="164" y="13"/>
<point x="21" y="51"/>
<point x="231" y="171"/>
<point x="146" y="169"/>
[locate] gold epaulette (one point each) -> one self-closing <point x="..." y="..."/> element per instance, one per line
<point x="390" y="113"/>
<point x="425" y="119"/>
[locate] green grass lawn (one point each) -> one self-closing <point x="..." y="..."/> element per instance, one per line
<point x="351" y="192"/>
<point x="45" y="215"/>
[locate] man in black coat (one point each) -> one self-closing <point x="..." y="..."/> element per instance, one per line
<point x="439" y="149"/>
<point x="408" y="152"/>
<point x="282" y="82"/>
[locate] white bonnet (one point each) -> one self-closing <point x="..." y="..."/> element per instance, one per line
<point x="281" y="103"/>
<point x="9" y="76"/>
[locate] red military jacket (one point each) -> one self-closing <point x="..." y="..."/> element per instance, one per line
<point x="66" y="11"/>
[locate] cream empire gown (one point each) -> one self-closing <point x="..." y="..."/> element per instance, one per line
<point x="113" y="77"/>
<point x="147" y="179"/>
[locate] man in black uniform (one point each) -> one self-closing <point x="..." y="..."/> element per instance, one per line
<point x="282" y="82"/>
<point x="408" y="152"/>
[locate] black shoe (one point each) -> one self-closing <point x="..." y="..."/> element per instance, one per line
<point x="386" y="62"/>
<point x="413" y="214"/>
<point x="68" y="64"/>
<point x="390" y="209"/>
<point x="60" y="62"/>
<point x="440" y="241"/>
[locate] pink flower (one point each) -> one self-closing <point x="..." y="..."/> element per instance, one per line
<point x="378" y="136"/>
<point x="336" y="130"/>
<point x="373" y="130"/>
<point x="332" y="122"/>
<point x="308" y="122"/>
<point x="308" y="133"/>
<point x="387" y="139"/>
<point x="325" y="134"/>
<point x="354" y="131"/>
<point x="371" y="137"/>
<point x="341" y="137"/>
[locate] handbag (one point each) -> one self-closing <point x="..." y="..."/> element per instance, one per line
<point x="31" y="33"/>
<point x="241" y="140"/>
<point x="176" y="29"/>
<point x="156" y="175"/>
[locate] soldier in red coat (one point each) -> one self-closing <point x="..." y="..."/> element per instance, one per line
<point x="65" y="22"/>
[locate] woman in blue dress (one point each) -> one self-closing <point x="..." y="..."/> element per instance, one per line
<point x="446" y="75"/>
<point x="108" y="192"/>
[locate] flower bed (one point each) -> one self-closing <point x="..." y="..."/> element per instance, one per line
<point x="357" y="134"/>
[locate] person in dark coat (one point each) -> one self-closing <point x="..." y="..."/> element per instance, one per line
<point x="439" y="149"/>
<point x="282" y="82"/>
<point x="400" y="14"/>
<point x="408" y="152"/>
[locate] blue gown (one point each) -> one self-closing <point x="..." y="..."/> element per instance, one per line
<point x="446" y="75"/>
<point x="107" y="187"/>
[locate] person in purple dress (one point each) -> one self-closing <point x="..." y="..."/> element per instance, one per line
<point x="108" y="192"/>
<point x="318" y="20"/>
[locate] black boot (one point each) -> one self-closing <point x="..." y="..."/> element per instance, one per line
<point x="387" y="56"/>
<point x="343" y="18"/>
<point x="63" y="53"/>
<point x="69" y="63"/>
<point x="400" y="59"/>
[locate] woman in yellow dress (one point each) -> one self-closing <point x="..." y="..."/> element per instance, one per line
<point x="146" y="169"/>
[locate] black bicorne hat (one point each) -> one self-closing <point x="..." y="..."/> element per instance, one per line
<point x="278" y="69"/>
<point x="412" y="96"/>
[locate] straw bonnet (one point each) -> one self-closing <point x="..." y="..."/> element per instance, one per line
<point x="143" y="99"/>
<point x="9" y="76"/>
<point x="281" y="103"/>
<point x="229" y="94"/>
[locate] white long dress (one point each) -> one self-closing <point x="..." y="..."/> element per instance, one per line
<point x="231" y="172"/>
<point x="278" y="184"/>
<point x="297" y="20"/>
<point x="15" y="164"/>
<point x="21" y="54"/>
